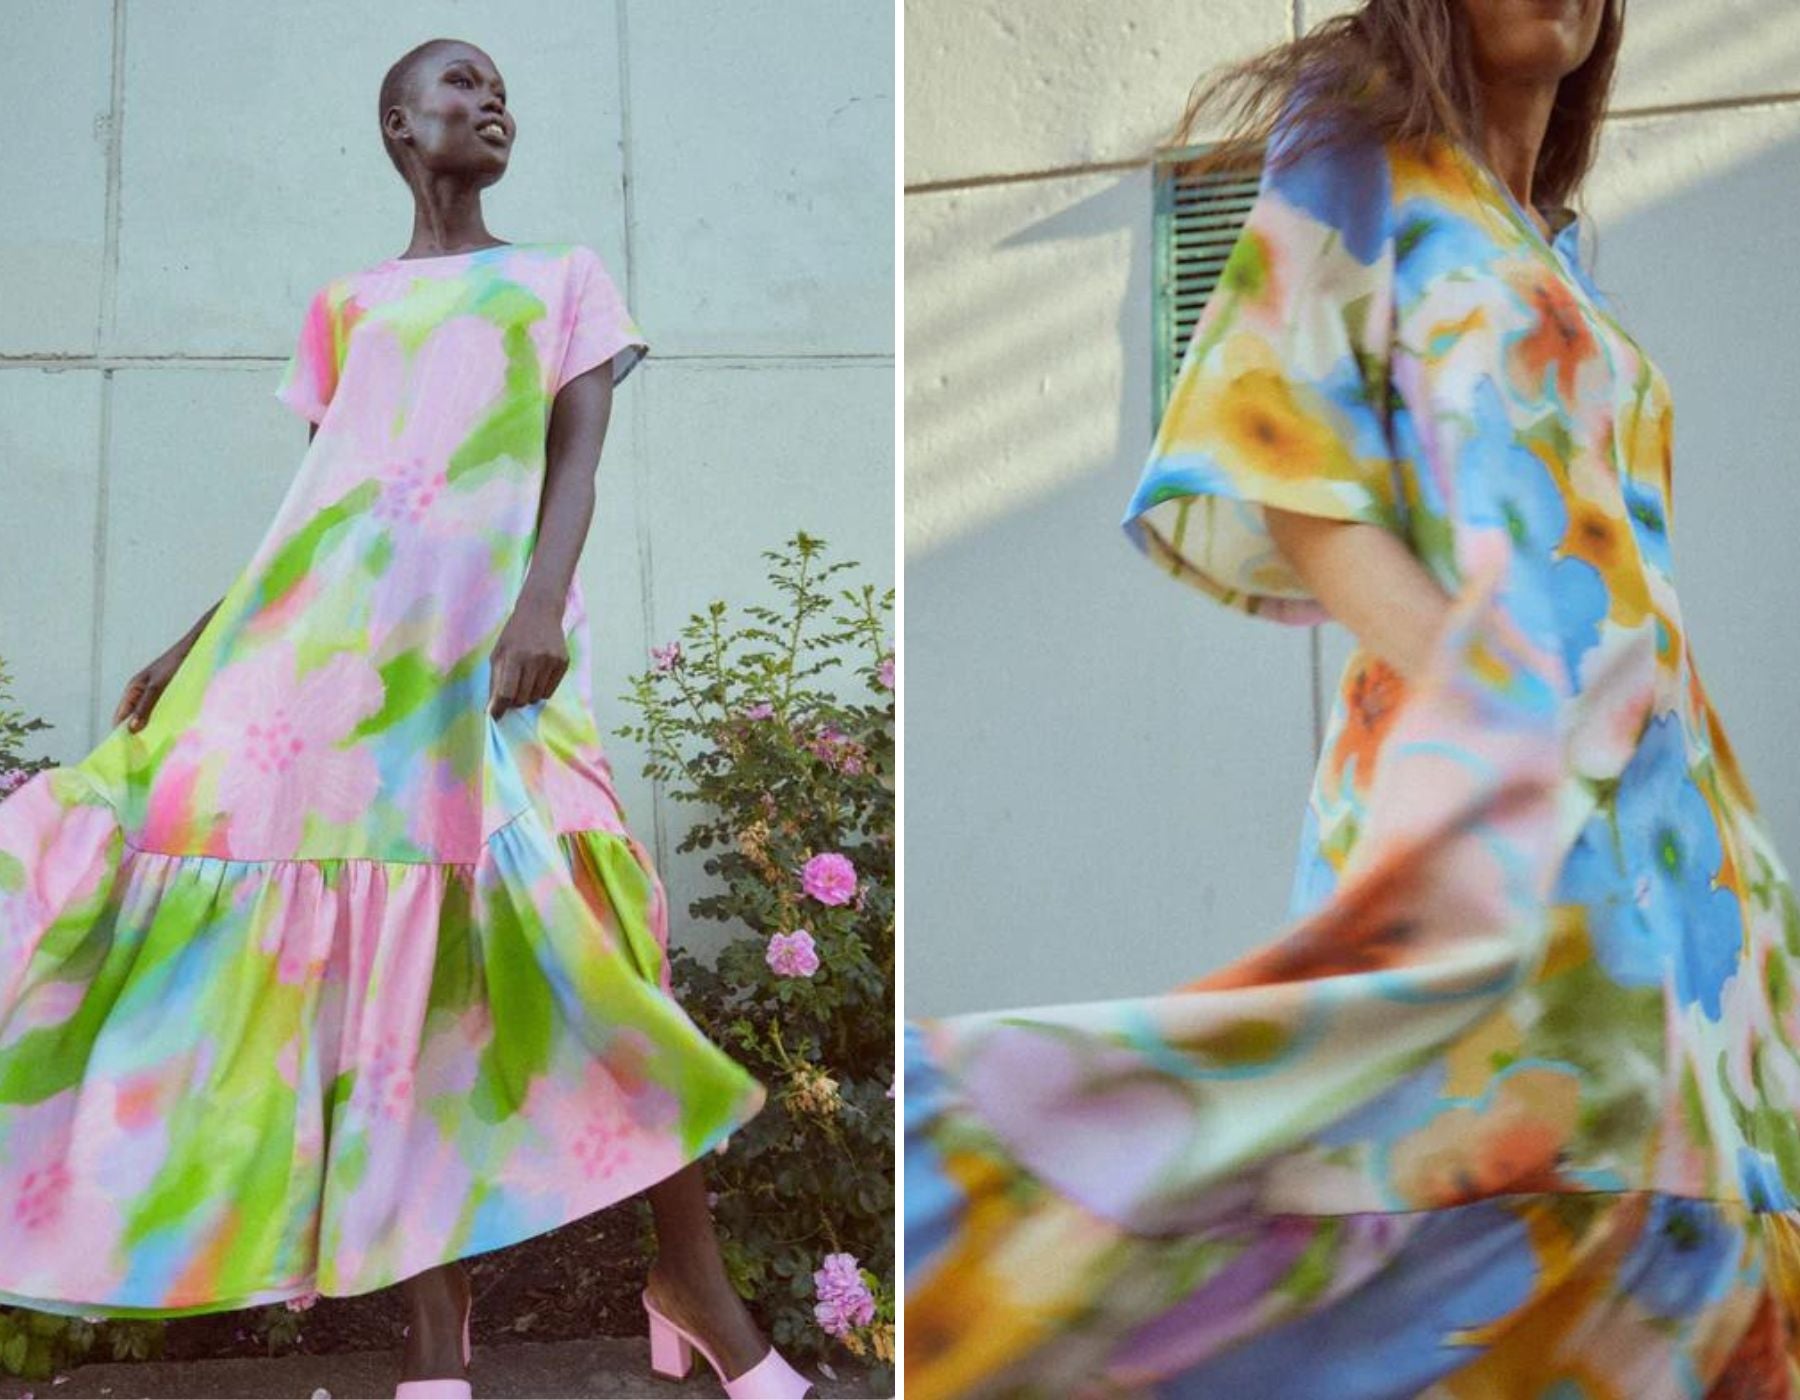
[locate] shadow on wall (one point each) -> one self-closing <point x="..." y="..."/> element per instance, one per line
<point x="1103" y="764"/>
<point x="1107" y="769"/>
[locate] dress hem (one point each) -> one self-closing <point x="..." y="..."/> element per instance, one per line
<point x="612" y="1196"/>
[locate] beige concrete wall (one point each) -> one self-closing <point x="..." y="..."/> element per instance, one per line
<point x="188" y="174"/>
<point x="1105" y="772"/>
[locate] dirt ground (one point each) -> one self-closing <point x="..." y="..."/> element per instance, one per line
<point x="557" y="1315"/>
<point x="575" y="1283"/>
<point x="614" y="1369"/>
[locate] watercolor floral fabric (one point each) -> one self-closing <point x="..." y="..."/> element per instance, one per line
<point x="1512" y="1108"/>
<point x="326" y="976"/>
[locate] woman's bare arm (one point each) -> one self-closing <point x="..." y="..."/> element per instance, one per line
<point x="531" y="656"/>
<point x="1368" y="580"/>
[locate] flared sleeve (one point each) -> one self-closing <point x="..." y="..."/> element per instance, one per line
<point x="1282" y="395"/>
<point x="598" y="327"/>
<point x="310" y="376"/>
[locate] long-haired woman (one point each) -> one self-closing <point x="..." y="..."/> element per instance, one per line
<point x="1513" y="1109"/>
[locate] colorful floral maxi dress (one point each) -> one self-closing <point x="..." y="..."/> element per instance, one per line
<point x="326" y="976"/>
<point x="1510" y="1111"/>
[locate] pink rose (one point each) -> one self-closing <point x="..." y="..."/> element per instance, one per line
<point x="832" y="746"/>
<point x="844" y="1299"/>
<point x="829" y="878"/>
<point x="793" y="954"/>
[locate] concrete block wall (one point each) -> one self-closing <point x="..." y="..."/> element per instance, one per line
<point x="194" y="172"/>
<point x="1106" y="772"/>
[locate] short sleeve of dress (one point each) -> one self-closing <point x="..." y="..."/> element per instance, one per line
<point x="1282" y="395"/>
<point x="597" y="326"/>
<point x="310" y="376"/>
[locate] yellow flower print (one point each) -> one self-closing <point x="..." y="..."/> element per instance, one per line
<point x="1605" y="541"/>
<point x="1258" y="417"/>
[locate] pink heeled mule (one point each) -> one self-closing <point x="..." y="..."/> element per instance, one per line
<point x="672" y="1349"/>
<point x="444" y="1387"/>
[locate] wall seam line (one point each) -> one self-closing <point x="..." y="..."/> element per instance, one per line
<point x="103" y="338"/>
<point x="640" y="421"/>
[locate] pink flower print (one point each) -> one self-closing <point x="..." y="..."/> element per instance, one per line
<point x="665" y="658"/>
<point x="278" y="735"/>
<point x="884" y="673"/>
<point x="440" y="579"/>
<point x="603" y="1143"/>
<point x="440" y="591"/>
<point x="464" y="360"/>
<point x="408" y="491"/>
<point x="40" y="1197"/>
<point x="829" y="878"/>
<point x="384" y="1083"/>
<point x="792" y="954"/>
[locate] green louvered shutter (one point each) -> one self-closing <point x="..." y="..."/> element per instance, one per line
<point x="1198" y="219"/>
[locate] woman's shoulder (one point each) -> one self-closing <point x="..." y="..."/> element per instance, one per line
<point x="572" y="252"/>
<point x="1368" y="184"/>
<point x="1338" y="174"/>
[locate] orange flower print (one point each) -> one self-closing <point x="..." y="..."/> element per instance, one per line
<point x="1508" y="1141"/>
<point x="1559" y="342"/>
<point x="1428" y="167"/>
<point x="1373" y="698"/>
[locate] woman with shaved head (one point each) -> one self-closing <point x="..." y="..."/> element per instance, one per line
<point x="336" y="962"/>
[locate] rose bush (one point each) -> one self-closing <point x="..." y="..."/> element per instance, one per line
<point x="793" y="782"/>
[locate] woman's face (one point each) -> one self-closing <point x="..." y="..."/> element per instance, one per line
<point x="1532" y="40"/>
<point x="457" y="114"/>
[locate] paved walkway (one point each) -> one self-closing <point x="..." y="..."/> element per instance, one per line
<point x="613" y="1369"/>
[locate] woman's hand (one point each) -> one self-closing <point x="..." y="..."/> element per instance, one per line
<point x="144" y="689"/>
<point x="530" y="658"/>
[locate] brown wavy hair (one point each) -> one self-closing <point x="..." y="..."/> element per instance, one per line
<point x="1402" y="70"/>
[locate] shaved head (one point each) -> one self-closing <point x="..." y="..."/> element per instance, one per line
<point x="399" y="83"/>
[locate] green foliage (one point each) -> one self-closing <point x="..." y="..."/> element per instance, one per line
<point x="741" y="722"/>
<point x="36" y="1345"/>
<point x="279" y="1326"/>
<point x="15" y="768"/>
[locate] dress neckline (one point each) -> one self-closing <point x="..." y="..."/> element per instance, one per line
<point x="444" y="257"/>
<point x="1565" y="221"/>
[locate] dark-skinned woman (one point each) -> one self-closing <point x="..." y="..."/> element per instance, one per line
<point x="336" y="962"/>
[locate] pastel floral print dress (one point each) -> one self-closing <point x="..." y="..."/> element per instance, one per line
<point x="325" y="975"/>
<point x="1512" y="1109"/>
